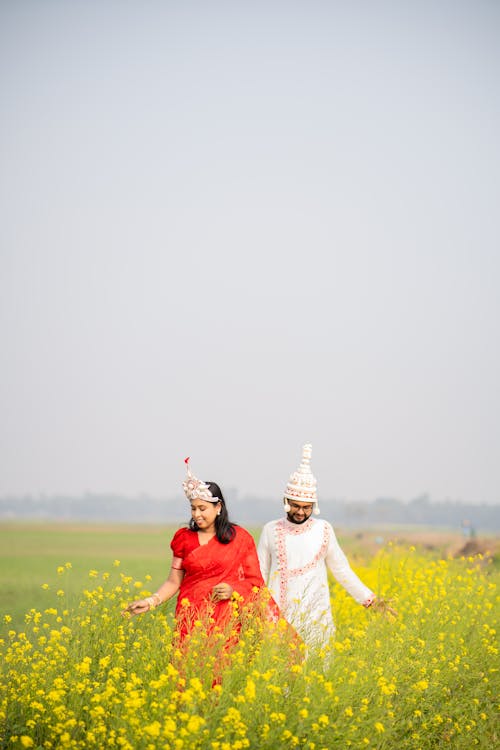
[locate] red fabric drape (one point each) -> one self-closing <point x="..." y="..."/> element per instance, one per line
<point x="205" y="566"/>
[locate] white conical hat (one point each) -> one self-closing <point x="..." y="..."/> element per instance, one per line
<point x="302" y="483"/>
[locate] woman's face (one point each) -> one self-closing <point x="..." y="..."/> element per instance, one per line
<point x="204" y="514"/>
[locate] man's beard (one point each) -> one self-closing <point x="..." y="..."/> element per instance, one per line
<point x="293" y="520"/>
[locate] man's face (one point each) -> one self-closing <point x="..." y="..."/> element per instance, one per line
<point x="299" y="512"/>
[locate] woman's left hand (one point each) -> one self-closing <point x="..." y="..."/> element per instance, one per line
<point x="221" y="592"/>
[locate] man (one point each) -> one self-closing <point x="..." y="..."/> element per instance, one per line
<point x="294" y="554"/>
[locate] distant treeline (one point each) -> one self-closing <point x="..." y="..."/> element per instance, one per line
<point x="470" y="518"/>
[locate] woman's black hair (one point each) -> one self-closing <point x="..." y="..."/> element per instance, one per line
<point x="224" y="529"/>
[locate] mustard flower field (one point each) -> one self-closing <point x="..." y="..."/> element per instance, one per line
<point x="77" y="674"/>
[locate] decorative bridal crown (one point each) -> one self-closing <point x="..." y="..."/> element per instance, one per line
<point x="195" y="489"/>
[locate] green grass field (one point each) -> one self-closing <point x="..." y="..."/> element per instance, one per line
<point x="30" y="554"/>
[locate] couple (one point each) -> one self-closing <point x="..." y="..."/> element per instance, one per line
<point x="215" y="563"/>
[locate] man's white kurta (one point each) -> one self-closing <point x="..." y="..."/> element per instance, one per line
<point x="293" y="560"/>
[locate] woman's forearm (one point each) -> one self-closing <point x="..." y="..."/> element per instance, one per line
<point x="166" y="591"/>
<point x="169" y="588"/>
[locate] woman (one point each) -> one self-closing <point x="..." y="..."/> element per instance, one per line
<point x="215" y="569"/>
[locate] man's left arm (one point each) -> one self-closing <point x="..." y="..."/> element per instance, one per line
<point x="344" y="574"/>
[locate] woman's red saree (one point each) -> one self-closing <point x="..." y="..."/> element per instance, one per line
<point x="204" y="566"/>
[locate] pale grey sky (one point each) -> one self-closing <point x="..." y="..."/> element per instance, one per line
<point x="229" y="228"/>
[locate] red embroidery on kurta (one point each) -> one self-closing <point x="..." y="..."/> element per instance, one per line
<point x="281" y="531"/>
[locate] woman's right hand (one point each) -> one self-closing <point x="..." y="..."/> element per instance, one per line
<point x="137" y="608"/>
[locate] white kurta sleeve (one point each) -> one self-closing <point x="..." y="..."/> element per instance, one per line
<point x="264" y="553"/>
<point x="343" y="573"/>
